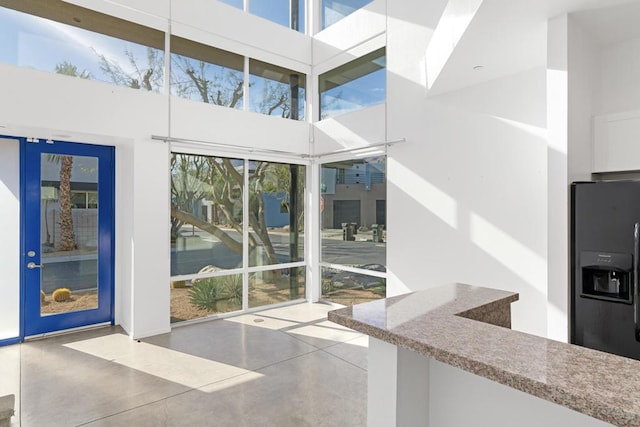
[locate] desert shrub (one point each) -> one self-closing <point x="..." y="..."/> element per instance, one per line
<point x="60" y="294"/>
<point x="206" y="293"/>
<point x="232" y="288"/>
<point x="379" y="289"/>
<point x="327" y="287"/>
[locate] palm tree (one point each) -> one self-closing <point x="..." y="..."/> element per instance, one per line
<point x="67" y="237"/>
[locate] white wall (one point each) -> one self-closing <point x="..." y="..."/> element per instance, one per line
<point x="199" y="121"/>
<point x="583" y="82"/>
<point x="557" y="178"/>
<point x="10" y="238"/>
<point x="351" y="130"/>
<point x="619" y="83"/>
<point x="467" y="192"/>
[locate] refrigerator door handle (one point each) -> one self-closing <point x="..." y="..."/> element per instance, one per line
<point x="636" y="254"/>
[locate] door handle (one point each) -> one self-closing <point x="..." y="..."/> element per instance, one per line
<point x="33" y="265"/>
<point x="636" y="279"/>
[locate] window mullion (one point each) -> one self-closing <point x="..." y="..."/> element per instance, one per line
<point x="245" y="236"/>
<point x="245" y="103"/>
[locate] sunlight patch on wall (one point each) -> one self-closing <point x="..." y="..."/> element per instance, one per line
<point x="332" y="132"/>
<point x="428" y="195"/>
<point x="537" y="131"/>
<point x="413" y="37"/>
<point x="508" y="251"/>
<point x="177" y="367"/>
<point x="452" y="25"/>
<point x="557" y="117"/>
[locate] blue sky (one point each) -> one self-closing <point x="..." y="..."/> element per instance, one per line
<point x="273" y="10"/>
<point x="30" y="41"/>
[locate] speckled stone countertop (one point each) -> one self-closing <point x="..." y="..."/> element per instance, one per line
<point x="431" y="322"/>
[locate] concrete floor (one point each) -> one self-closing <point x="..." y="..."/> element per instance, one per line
<point x="280" y="367"/>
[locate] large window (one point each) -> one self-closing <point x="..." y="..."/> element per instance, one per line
<point x="358" y="84"/>
<point x="335" y="10"/>
<point x="289" y="13"/>
<point x="237" y="241"/>
<point x="206" y="74"/>
<point x="276" y="90"/>
<point x="353" y="222"/>
<point x="82" y="43"/>
<point x="214" y="76"/>
<point x="206" y="213"/>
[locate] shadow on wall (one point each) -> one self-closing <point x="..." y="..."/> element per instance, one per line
<point x="467" y="195"/>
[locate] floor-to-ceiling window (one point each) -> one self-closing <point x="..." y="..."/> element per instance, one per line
<point x="237" y="234"/>
<point x="353" y="230"/>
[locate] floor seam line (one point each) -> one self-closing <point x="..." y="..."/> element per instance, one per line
<point x="164" y="398"/>
<point x="285" y="360"/>
<point x="344" y="360"/>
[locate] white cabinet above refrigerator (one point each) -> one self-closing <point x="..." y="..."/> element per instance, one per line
<point x="616" y="142"/>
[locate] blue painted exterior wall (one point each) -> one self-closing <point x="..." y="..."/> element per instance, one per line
<point x="274" y="214"/>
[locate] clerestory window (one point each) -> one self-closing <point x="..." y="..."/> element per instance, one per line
<point x="353" y="86"/>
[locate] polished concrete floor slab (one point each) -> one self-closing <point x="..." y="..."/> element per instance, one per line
<point x="283" y="367"/>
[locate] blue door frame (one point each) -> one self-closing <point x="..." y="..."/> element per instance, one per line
<point x="32" y="322"/>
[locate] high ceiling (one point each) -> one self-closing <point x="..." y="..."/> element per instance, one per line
<point x="509" y="36"/>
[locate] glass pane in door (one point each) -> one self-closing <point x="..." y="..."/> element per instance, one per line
<point x="69" y="233"/>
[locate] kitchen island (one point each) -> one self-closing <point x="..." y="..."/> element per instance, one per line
<point x="447" y="356"/>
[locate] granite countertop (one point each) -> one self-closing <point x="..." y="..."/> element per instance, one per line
<point x="431" y="322"/>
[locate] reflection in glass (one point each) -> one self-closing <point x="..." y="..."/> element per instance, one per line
<point x="276" y="213"/>
<point x="82" y="43"/>
<point x="203" y="297"/>
<point x="275" y="286"/>
<point x="69" y="234"/>
<point x="274" y="10"/>
<point x="353" y="217"/>
<point x="206" y="213"/>
<point x="335" y="10"/>
<point x="278" y="11"/>
<point x="353" y="86"/>
<point x="235" y="3"/>
<point x="276" y="91"/>
<point x="347" y="288"/>
<point x="206" y="74"/>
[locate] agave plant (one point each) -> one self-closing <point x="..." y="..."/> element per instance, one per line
<point x="232" y="288"/>
<point x="206" y="293"/>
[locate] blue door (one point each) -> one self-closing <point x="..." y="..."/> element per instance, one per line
<point x="68" y="228"/>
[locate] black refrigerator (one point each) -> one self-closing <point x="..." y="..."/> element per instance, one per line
<point x="605" y="227"/>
